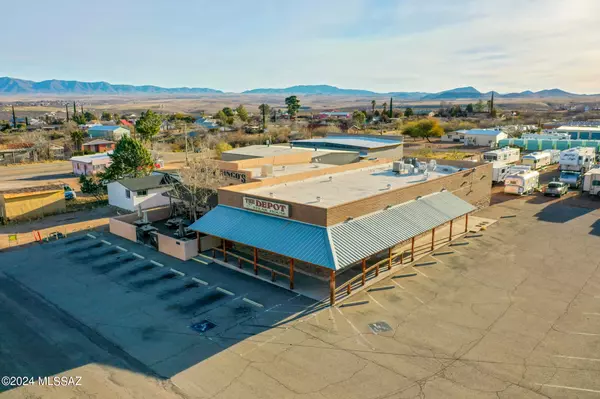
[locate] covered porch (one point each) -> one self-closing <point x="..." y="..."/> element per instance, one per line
<point x="332" y="262"/>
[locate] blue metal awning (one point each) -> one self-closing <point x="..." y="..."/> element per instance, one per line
<point x="337" y="246"/>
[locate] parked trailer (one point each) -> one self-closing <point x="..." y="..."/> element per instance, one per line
<point x="501" y="169"/>
<point x="521" y="183"/>
<point x="574" y="162"/>
<point x="506" y="154"/>
<point x="554" y="156"/>
<point x="591" y="182"/>
<point x="537" y="160"/>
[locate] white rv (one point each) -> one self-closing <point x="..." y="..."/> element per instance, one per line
<point x="506" y="154"/>
<point x="521" y="183"/>
<point x="501" y="169"/>
<point x="574" y="162"/>
<point x="554" y="156"/>
<point x="591" y="182"/>
<point x="537" y="160"/>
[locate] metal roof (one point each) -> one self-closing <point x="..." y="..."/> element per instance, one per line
<point x="338" y="246"/>
<point x="287" y="237"/>
<point x="99" y="141"/>
<point x="107" y="128"/>
<point x="481" y="132"/>
<point x="143" y="183"/>
<point x="348" y="142"/>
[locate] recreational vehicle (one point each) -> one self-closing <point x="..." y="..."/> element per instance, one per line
<point x="574" y="162"/>
<point x="506" y="154"/>
<point x="521" y="183"/>
<point x="537" y="160"/>
<point x="501" y="169"/>
<point x="591" y="182"/>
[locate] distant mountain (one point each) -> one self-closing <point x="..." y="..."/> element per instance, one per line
<point x="312" y="89"/>
<point x="20" y="86"/>
<point x="64" y="87"/>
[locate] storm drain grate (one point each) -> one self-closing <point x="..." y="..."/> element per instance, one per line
<point x="379" y="327"/>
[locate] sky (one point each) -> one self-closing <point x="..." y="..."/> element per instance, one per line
<point x="379" y="45"/>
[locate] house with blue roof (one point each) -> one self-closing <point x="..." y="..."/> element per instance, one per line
<point x="108" y="132"/>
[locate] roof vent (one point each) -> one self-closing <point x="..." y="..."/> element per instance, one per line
<point x="318" y="199"/>
<point x="350" y="218"/>
<point x="330" y="178"/>
<point x="283" y="167"/>
<point x="389" y="186"/>
<point x="419" y="197"/>
<point x="271" y="194"/>
<point x="388" y="207"/>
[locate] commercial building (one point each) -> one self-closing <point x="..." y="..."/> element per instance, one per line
<point x="108" y="132"/>
<point x="31" y="202"/>
<point x="145" y="192"/>
<point x="580" y="132"/>
<point x="368" y="146"/>
<point x="286" y="154"/>
<point x="91" y="164"/>
<point x="329" y="221"/>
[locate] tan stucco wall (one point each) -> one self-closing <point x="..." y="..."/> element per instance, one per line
<point x="25" y="206"/>
<point x="183" y="250"/>
<point x="209" y="242"/>
<point x="123" y="229"/>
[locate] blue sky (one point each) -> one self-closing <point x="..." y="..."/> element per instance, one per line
<point x="381" y="45"/>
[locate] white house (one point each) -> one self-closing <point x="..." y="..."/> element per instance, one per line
<point x="145" y="191"/>
<point x="454" y="137"/>
<point x="483" y="137"/>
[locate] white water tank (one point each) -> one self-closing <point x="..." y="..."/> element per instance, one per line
<point x="397" y="166"/>
<point x="266" y="170"/>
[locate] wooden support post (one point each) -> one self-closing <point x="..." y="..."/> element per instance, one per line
<point x="466" y="222"/>
<point x="240" y="262"/>
<point x="224" y="251"/>
<point x="349" y="289"/>
<point x="377" y="270"/>
<point x="432" y="238"/>
<point x="390" y="259"/>
<point x="255" y="261"/>
<point x="214" y="253"/>
<point x="450" y="236"/>
<point x="272" y="275"/>
<point x="291" y="273"/>
<point x="364" y="268"/>
<point x="402" y="257"/>
<point x="412" y="249"/>
<point x="332" y="287"/>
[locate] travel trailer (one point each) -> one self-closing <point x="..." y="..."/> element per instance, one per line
<point x="537" y="160"/>
<point x="501" y="169"/>
<point x="574" y="163"/>
<point x="506" y="154"/>
<point x="591" y="182"/>
<point x="521" y="183"/>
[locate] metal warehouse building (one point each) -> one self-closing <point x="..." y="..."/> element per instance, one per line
<point x="344" y="221"/>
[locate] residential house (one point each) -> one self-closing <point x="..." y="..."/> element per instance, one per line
<point x="99" y="145"/>
<point x="334" y="115"/>
<point x="108" y="132"/>
<point x="91" y="164"/>
<point x="454" y="137"/>
<point x="483" y="137"/>
<point x="147" y="192"/>
<point x="125" y="122"/>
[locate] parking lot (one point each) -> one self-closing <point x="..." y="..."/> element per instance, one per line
<point x="513" y="311"/>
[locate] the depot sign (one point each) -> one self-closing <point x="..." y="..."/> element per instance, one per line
<point x="273" y="208"/>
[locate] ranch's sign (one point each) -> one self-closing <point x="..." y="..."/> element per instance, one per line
<point x="273" y="208"/>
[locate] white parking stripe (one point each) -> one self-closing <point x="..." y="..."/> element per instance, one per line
<point x="137" y="255"/>
<point x="177" y="272"/>
<point x="200" y="261"/>
<point x="156" y="263"/>
<point x="121" y="248"/>
<point x="91" y="236"/>
<point x="105" y="242"/>
<point x="376" y="301"/>
<point x="578" y="358"/>
<point x="205" y="256"/>
<point x="569" y="388"/>
<point x="592" y="313"/>
<point x="199" y="281"/>
<point x="251" y="302"/>
<point x="224" y="291"/>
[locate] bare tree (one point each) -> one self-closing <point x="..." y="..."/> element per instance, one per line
<point x="198" y="182"/>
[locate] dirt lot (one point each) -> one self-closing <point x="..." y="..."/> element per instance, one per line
<point x="512" y="312"/>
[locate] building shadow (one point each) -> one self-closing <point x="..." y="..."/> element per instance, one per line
<point x="564" y="210"/>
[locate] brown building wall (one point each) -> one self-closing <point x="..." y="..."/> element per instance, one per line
<point x="32" y="205"/>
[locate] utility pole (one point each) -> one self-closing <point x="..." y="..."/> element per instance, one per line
<point x="186" y="143"/>
<point x="67" y="109"/>
<point x="14" y="117"/>
<point x="74" y="108"/>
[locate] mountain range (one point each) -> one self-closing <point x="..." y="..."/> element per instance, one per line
<point x="10" y="86"/>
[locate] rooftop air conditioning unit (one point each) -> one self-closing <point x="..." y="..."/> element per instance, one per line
<point x="397" y="167"/>
<point x="432" y="165"/>
<point x="266" y="171"/>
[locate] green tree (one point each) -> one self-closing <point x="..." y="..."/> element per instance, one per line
<point x="264" y="110"/>
<point x="479" y="106"/>
<point x="74" y="108"/>
<point x="148" y="125"/>
<point x="89" y="116"/>
<point x="129" y="159"/>
<point x="221" y="147"/>
<point x="106" y="116"/>
<point x="373" y="104"/>
<point x="14" y="117"/>
<point x="221" y="117"/>
<point x="77" y="139"/>
<point x="228" y="111"/>
<point x="79" y="119"/>
<point x="424" y="128"/>
<point x="242" y="113"/>
<point x="408" y="112"/>
<point x="469" y="108"/>
<point x="293" y="105"/>
<point x="359" y="118"/>
<point x="391" y="114"/>
<point x="384" y="109"/>
<point x="67" y="109"/>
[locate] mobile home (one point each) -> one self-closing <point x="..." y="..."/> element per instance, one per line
<point x="521" y="183"/>
<point x="537" y="160"/>
<point x="506" y="154"/>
